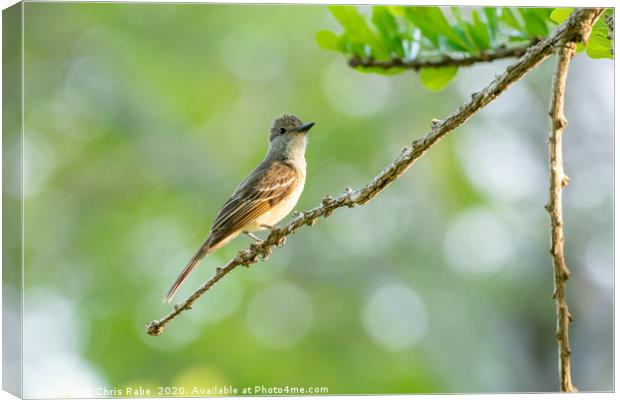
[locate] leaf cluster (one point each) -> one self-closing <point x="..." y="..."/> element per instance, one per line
<point x="404" y="33"/>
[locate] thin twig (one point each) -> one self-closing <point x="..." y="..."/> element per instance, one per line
<point x="446" y="60"/>
<point x="557" y="182"/>
<point x="351" y="198"/>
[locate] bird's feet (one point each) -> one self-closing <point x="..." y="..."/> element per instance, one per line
<point x="270" y="228"/>
<point x="256" y="238"/>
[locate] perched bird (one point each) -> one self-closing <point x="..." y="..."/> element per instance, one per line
<point x="266" y="196"/>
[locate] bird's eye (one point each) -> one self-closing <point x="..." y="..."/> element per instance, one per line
<point x="282" y="130"/>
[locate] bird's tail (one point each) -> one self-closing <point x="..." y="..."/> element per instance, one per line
<point x="200" y="254"/>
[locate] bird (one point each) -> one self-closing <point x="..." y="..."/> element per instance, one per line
<point x="267" y="195"/>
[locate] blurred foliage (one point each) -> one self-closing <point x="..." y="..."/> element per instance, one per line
<point x="140" y="119"/>
<point x="410" y="33"/>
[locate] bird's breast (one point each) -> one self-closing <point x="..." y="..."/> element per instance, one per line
<point x="282" y="208"/>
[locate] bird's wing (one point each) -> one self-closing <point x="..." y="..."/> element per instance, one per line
<point x="267" y="185"/>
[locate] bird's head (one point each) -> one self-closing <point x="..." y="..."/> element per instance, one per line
<point x="288" y="136"/>
<point x="288" y="126"/>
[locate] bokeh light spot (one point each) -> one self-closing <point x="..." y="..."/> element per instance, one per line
<point x="395" y="317"/>
<point x="357" y="95"/>
<point x="254" y="54"/>
<point x="598" y="259"/>
<point x="280" y="316"/>
<point x="39" y="163"/>
<point x="53" y="365"/>
<point x="478" y="241"/>
<point x="501" y="164"/>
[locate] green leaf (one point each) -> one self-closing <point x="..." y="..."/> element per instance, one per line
<point x="346" y="15"/>
<point x="465" y="29"/>
<point x="397" y="11"/>
<point x="435" y="79"/>
<point x="508" y="17"/>
<point x="480" y="32"/>
<point x="328" y="40"/>
<point x="434" y="25"/>
<point x="384" y="20"/>
<point x="354" y="24"/>
<point x="599" y="46"/>
<point x="535" y="20"/>
<point x="560" y="15"/>
<point x="387" y="26"/>
<point x="492" y="20"/>
<point x="357" y="34"/>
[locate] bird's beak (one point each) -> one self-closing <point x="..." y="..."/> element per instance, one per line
<point x="304" y="127"/>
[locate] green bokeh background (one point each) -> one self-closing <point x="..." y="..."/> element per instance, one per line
<point x="142" y="118"/>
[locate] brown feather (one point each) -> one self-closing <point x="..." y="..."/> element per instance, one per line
<point x="270" y="183"/>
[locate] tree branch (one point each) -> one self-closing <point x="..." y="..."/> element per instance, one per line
<point x="571" y="29"/>
<point x="557" y="182"/>
<point x="446" y="59"/>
